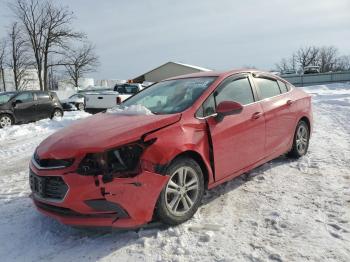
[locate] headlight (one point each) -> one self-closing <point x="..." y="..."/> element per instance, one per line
<point x="50" y="163"/>
<point x="118" y="162"/>
<point x="124" y="159"/>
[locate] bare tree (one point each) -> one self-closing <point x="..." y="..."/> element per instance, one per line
<point x="2" y="62"/>
<point x="19" y="59"/>
<point x="287" y="64"/>
<point x="327" y="58"/>
<point x="283" y="65"/>
<point x="48" y="28"/>
<point x="307" y="56"/>
<point x="80" y="61"/>
<point x="343" y="63"/>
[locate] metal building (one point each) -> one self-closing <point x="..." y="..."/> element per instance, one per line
<point x="169" y="69"/>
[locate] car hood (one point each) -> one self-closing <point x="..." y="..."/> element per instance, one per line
<point x="100" y="132"/>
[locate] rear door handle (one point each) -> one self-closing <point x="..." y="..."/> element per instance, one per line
<point x="289" y="102"/>
<point x="256" y="115"/>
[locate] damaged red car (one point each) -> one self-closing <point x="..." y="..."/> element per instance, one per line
<point x="126" y="168"/>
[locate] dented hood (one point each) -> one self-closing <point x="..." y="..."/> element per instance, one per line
<point x="100" y="132"/>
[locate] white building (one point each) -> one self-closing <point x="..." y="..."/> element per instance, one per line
<point x="30" y="80"/>
<point x="83" y="83"/>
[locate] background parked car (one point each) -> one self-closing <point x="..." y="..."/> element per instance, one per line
<point x="289" y="72"/>
<point x="311" y="70"/>
<point x="100" y="101"/>
<point x="74" y="102"/>
<point x="27" y="106"/>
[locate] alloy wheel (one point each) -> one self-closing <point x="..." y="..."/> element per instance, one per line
<point x="5" y="121"/>
<point x="302" y="139"/>
<point x="57" y="114"/>
<point x="182" y="191"/>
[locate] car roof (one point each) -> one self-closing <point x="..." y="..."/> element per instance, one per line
<point x="217" y="73"/>
<point x="8" y="92"/>
<point x="224" y="74"/>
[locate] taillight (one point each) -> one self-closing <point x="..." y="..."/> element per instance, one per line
<point x="118" y="100"/>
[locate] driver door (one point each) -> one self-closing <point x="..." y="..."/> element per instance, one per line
<point x="238" y="140"/>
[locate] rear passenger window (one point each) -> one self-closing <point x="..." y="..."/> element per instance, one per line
<point x="42" y="96"/>
<point x="238" y="90"/>
<point x="282" y="86"/>
<point x="268" y="88"/>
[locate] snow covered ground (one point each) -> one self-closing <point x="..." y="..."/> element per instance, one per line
<point x="283" y="211"/>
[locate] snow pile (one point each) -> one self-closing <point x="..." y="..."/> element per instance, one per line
<point x="64" y="94"/>
<point x="19" y="141"/>
<point x="285" y="210"/>
<point x="44" y="126"/>
<point x="130" y="110"/>
<point x="333" y="94"/>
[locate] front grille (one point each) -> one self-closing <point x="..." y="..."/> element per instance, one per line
<point x="51" y="163"/>
<point x="47" y="187"/>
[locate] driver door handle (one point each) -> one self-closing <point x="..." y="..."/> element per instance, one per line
<point x="256" y="115"/>
<point x="289" y="102"/>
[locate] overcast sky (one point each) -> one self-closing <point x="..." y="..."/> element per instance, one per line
<point x="132" y="37"/>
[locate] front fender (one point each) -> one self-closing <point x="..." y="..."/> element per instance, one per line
<point x="7" y="111"/>
<point x="177" y="139"/>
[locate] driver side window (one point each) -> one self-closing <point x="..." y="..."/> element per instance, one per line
<point x="238" y="90"/>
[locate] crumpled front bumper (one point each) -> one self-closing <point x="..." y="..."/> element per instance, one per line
<point x="121" y="203"/>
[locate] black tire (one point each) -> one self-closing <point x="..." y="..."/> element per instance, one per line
<point x="193" y="173"/>
<point x="6" y="120"/>
<point x="300" y="144"/>
<point x="80" y="106"/>
<point x="56" y="113"/>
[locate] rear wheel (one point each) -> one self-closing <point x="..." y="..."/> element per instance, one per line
<point x="57" y="113"/>
<point x="182" y="195"/>
<point x="301" y="140"/>
<point x="5" y="120"/>
<point x="80" y="106"/>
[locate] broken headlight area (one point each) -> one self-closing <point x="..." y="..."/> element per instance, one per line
<point x="118" y="162"/>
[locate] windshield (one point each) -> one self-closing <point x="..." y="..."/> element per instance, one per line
<point x="5" y="97"/>
<point x="171" y="96"/>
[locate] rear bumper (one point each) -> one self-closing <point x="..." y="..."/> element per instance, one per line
<point x="69" y="107"/>
<point x="122" y="203"/>
<point x="94" y="110"/>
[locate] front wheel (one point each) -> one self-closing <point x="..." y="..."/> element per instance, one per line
<point x="301" y="140"/>
<point x="183" y="193"/>
<point x="57" y="113"/>
<point x="5" y="120"/>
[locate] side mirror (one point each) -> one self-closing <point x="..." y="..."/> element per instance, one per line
<point x="226" y="108"/>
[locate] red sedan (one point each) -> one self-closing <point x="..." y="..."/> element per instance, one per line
<point x="193" y="133"/>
